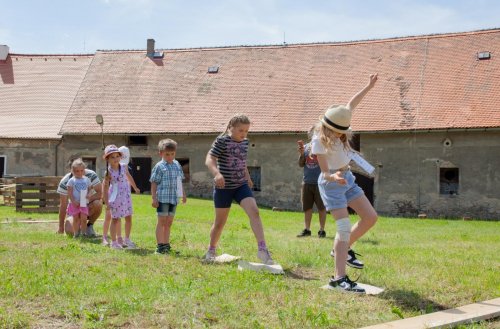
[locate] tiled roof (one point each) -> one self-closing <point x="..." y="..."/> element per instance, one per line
<point x="36" y="92"/>
<point x="426" y="82"/>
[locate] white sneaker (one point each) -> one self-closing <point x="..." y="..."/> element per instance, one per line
<point x="105" y="241"/>
<point x="210" y="256"/>
<point x="265" y="257"/>
<point x="129" y="244"/>
<point x="116" y="245"/>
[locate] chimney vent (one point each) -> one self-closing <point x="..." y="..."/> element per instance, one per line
<point x="150" y="48"/>
<point x="4" y="52"/>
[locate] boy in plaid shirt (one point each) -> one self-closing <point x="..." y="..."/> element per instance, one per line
<point x="166" y="189"/>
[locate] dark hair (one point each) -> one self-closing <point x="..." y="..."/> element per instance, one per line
<point x="167" y="144"/>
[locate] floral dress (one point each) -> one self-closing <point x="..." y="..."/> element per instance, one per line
<point x="119" y="199"/>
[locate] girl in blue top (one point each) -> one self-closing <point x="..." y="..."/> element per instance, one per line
<point x="227" y="162"/>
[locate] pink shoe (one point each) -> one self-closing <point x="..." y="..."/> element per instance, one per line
<point x="105" y="241"/>
<point x="116" y="245"/>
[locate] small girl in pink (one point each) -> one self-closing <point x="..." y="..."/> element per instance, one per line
<point x="78" y="189"/>
<point x="116" y="193"/>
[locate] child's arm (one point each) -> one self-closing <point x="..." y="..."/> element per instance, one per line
<point x="211" y="163"/>
<point x="131" y="181"/>
<point x="302" y="158"/>
<point x="325" y="171"/>
<point x="71" y="196"/>
<point x="154" y="187"/>
<point x="356" y="99"/>
<point x="105" y="192"/>
<point x="249" y="179"/>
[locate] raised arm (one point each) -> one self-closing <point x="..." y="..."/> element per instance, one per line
<point x="356" y="99"/>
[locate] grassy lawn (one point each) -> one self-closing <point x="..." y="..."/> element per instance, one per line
<point x="49" y="280"/>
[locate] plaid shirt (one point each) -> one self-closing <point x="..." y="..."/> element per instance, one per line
<point x="165" y="175"/>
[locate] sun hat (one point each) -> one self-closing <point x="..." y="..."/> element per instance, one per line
<point x="337" y="118"/>
<point x="109" y="150"/>
<point x="125" y="155"/>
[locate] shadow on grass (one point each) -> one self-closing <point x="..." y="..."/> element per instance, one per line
<point x="300" y="274"/>
<point x="411" y="301"/>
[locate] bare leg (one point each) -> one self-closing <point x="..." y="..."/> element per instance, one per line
<point x="83" y="223"/>
<point x="95" y="209"/>
<point x="163" y="229"/>
<point x="307" y="218"/>
<point x="107" y="222"/>
<point x="341" y="247"/>
<point x="250" y="206"/>
<point x="114" y="227"/>
<point x="221" y="215"/>
<point x="128" y="226"/>
<point x="368" y="217"/>
<point x="322" y="219"/>
<point x="76" y="223"/>
<point x="63" y="205"/>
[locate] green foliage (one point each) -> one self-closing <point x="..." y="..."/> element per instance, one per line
<point x="50" y="280"/>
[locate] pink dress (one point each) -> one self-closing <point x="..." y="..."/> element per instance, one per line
<point x="121" y="206"/>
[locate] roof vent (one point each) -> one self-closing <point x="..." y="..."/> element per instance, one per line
<point x="4" y="52"/>
<point x="213" y="69"/>
<point x="158" y="54"/>
<point x="484" y="55"/>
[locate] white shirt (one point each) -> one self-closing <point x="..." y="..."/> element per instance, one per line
<point x="336" y="155"/>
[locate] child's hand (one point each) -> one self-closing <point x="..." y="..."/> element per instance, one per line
<point x="155" y="203"/>
<point x="219" y="181"/>
<point x="373" y="79"/>
<point x="75" y="203"/>
<point x="184" y="199"/>
<point x="337" y="177"/>
<point x="300" y="144"/>
<point x="250" y="183"/>
<point x="136" y="190"/>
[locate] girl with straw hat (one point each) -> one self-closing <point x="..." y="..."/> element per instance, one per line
<point x="338" y="188"/>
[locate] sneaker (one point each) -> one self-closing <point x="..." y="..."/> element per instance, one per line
<point x="265" y="257"/>
<point x="345" y="284"/>
<point x="105" y="241"/>
<point x="210" y="256"/>
<point x="163" y="249"/>
<point x="129" y="244"/>
<point x="352" y="261"/>
<point x="304" y="233"/>
<point x="120" y="241"/>
<point x="321" y="234"/>
<point x="90" y="231"/>
<point x="116" y="245"/>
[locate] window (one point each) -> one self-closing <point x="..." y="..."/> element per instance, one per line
<point x="255" y="176"/>
<point x="89" y="162"/>
<point x="138" y="140"/>
<point x="448" y="181"/>
<point x="184" y="162"/>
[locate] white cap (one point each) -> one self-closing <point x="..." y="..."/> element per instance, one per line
<point x="125" y="155"/>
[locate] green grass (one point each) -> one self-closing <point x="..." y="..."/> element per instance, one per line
<point x="49" y="280"/>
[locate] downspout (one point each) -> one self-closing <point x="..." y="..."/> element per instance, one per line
<point x="56" y="155"/>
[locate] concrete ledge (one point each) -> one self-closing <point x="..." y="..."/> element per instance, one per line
<point x="465" y="314"/>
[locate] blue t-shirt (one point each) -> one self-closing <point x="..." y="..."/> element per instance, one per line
<point x="231" y="160"/>
<point x="311" y="167"/>
<point x="79" y="185"/>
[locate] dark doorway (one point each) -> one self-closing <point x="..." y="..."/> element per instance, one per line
<point x="2" y="166"/>
<point x="140" y="169"/>
<point x="366" y="184"/>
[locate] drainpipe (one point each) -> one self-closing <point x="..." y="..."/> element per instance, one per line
<point x="56" y="154"/>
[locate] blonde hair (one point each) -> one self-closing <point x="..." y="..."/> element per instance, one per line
<point x="328" y="138"/>
<point x="78" y="163"/>
<point x="167" y="145"/>
<point x="236" y="120"/>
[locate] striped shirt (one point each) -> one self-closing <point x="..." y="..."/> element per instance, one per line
<point x="231" y="160"/>
<point x="165" y="175"/>
<point x="63" y="184"/>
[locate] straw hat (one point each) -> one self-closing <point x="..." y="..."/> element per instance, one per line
<point x="110" y="149"/>
<point x="337" y="118"/>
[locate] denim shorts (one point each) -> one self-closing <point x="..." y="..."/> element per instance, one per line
<point x="223" y="197"/>
<point x="166" y="209"/>
<point x="336" y="196"/>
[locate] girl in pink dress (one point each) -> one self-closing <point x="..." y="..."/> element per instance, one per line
<point x="117" y="195"/>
